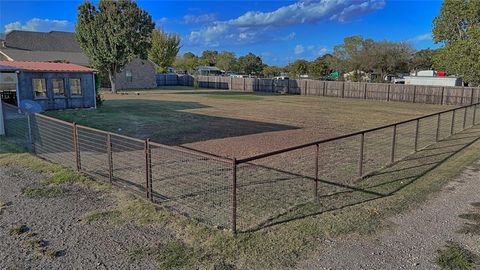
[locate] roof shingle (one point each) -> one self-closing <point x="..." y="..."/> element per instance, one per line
<point x="44" y="66"/>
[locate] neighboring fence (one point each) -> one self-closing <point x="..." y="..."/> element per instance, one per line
<point x="224" y="192"/>
<point x="377" y="91"/>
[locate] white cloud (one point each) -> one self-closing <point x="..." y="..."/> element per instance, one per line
<point x="42" y="25"/>
<point x="210" y="17"/>
<point x="264" y="25"/>
<point x="299" y="49"/>
<point x="423" y="37"/>
<point x="162" y="21"/>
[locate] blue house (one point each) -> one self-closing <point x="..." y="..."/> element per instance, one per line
<point x="52" y="85"/>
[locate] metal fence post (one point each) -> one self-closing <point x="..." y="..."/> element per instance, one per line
<point x="316" y="170"/>
<point x="360" y="160"/>
<point x="148" y="166"/>
<point x="453" y="122"/>
<point x="234" y="196"/>
<point x="365" y="91"/>
<point x="76" y="147"/>
<point x="474" y="114"/>
<point x="437" y="135"/>
<point x="110" y="157"/>
<point x="417" y="127"/>
<point x="343" y="90"/>
<point x="394" y="139"/>
<point x="31" y="139"/>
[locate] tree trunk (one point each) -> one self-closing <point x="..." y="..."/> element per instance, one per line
<point x="112" y="75"/>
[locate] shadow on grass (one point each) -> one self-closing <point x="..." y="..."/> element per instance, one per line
<point x="166" y="122"/>
<point x="382" y="184"/>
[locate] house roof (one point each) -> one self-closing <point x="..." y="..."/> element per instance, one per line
<point x="208" y="68"/>
<point x="43" y="46"/>
<point x="42" y="41"/>
<point x="43" y="66"/>
<point x="45" y="56"/>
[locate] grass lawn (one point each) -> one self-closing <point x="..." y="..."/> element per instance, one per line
<point x="236" y="123"/>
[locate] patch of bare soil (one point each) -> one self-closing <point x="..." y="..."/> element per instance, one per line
<point x="414" y="237"/>
<point x="45" y="230"/>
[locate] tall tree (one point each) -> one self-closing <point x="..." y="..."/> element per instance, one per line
<point x="113" y="35"/>
<point x="187" y="63"/>
<point x="227" y="61"/>
<point x="458" y="27"/>
<point x="297" y="68"/>
<point x="271" y="71"/>
<point x="209" y="58"/>
<point x="250" y="64"/>
<point x="422" y="60"/>
<point x="164" y="49"/>
<point x="322" y="66"/>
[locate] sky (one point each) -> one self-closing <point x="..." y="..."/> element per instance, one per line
<point x="279" y="31"/>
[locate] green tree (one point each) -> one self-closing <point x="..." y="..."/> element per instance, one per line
<point x="320" y="67"/>
<point x="390" y="58"/>
<point x="208" y="58"/>
<point x="113" y="35"/>
<point x="271" y="71"/>
<point x="422" y="60"/>
<point x="164" y="49"/>
<point x="297" y="68"/>
<point x="458" y="27"/>
<point x="187" y="63"/>
<point x="250" y="64"/>
<point x="227" y="61"/>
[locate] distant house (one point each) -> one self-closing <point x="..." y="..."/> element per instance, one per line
<point x="55" y="46"/>
<point x="209" y="71"/>
<point x="51" y="85"/>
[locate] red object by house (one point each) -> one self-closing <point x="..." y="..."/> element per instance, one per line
<point x="441" y="73"/>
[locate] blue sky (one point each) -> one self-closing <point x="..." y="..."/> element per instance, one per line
<point x="279" y="31"/>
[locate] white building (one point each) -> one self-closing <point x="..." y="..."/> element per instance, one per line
<point x="430" y="77"/>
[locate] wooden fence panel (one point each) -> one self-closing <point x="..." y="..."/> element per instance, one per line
<point x="428" y="94"/>
<point x="354" y="90"/>
<point x="265" y="85"/>
<point x="334" y="89"/>
<point x="315" y="88"/>
<point x="377" y="91"/>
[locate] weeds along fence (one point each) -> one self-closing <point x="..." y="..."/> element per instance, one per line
<point x="376" y="91"/>
<point x="241" y="194"/>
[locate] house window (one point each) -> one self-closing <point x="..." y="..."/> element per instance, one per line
<point x="39" y="88"/>
<point x="75" y="87"/>
<point x="128" y="73"/>
<point x="58" y="87"/>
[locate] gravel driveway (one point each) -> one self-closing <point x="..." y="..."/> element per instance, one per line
<point x="414" y="237"/>
<point x="54" y="224"/>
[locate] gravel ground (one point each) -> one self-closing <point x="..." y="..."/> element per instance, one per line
<point x="414" y="237"/>
<point x="57" y="221"/>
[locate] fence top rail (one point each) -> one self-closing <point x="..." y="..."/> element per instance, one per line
<point x="194" y="152"/>
<point x="292" y="148"/>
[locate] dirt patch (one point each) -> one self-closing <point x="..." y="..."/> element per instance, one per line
<point x="415" y="237"/>
<point x="47" y="232"/>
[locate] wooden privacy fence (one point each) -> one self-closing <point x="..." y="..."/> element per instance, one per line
<point x="444" y="95"/>
<point x="242" y="194"/>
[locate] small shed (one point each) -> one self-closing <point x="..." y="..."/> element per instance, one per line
<point x="52" y="85"/>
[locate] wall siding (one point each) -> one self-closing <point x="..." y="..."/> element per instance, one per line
<point x="87" y="100"/>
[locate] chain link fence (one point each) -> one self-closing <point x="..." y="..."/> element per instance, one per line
<point x="228" y="193"/>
